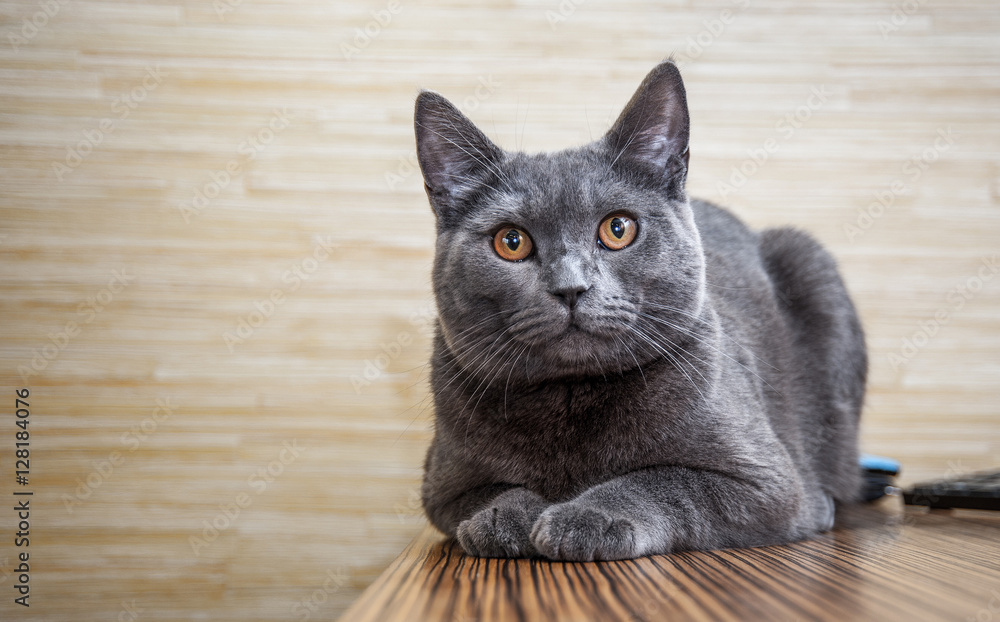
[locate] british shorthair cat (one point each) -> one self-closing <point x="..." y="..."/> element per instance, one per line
<point x="619" y="370"/>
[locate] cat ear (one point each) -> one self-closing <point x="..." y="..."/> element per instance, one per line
<point x="454" y="155"/>
<point x="654" y="128"/>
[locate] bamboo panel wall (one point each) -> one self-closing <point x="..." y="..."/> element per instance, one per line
<point x="216" y="251"/>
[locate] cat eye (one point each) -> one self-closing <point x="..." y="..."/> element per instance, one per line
<point x="617" y="231"/>
<point x="512" y="244"/>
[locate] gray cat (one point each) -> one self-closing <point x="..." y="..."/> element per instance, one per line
<point x="619" y="371"/>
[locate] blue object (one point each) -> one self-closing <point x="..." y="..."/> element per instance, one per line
<point x="880" y="464"/>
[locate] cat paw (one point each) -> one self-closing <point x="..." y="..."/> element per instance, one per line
<point x="499" y="531"/>
<point x="576" y="532"/>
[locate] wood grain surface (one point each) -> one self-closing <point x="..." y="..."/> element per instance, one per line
<point x="215" y="254"/>
<point x="879" y="564"/>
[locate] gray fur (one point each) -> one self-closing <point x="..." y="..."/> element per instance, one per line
<point x="697" y="389"/>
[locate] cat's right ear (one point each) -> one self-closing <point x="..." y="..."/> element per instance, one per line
<point x="654" y="129"/>
<point x="455" y="157"/>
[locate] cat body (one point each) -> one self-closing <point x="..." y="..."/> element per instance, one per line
<point x="618" y="370"/>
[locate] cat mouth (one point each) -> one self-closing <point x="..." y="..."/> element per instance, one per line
<point x="584" y="327"/>
<point x="576" y="338"/>
<point x="574" y="332"/>
<point x="575" y="329"/>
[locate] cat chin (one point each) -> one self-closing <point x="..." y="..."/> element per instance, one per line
<point x="577" y="352"/>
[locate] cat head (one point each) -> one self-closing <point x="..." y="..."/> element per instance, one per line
<point x="563" y="264"/>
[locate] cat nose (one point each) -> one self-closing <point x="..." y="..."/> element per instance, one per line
<point x="569" y="294"/>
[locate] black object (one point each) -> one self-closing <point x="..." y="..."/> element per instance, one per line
<point x="975" y="491"/>
<point x="878" y="473"/>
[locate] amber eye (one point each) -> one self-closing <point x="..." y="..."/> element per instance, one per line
<point x="512" y="244"/>
<point x="617" y="231"/>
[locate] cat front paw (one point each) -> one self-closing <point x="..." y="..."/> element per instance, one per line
<point x="498" y="531"/>
<point x="576" y="532"/>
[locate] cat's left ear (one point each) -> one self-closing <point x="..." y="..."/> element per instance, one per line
<point x="455" y="157"/>
<point x="654" y="128"/>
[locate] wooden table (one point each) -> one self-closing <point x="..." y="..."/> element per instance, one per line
<point x="881" y="563"/>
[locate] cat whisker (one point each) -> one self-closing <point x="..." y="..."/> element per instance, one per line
<point x="486" y="355"/>
<point x="607" y="323"/>
<point x="662" y="350"/>
<point x="719" y="328"/>
<point x="707" y="343"/>
<point x="525" y="324"/>
<point x="423" y="405"/>
<point x="485" y="384"/>
<point x="597" y="362"/>
<point x="730" y="288"/>
<point x="507" y="384"/>
<point x="681" y="351"/>
<point x="457" y="337"/>
<point x="474" y="369"/>
<point x="624" y="347"/>
<point x="674" y="354"/>
<point x="532" y="333"/>
<point x="478" y="361"/>
<point x="464" y="341"/>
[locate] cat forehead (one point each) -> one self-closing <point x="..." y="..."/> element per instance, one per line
<point x="543" y="205"/>
<point x="565" y="186"/>
<point x="569" y="170"/>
